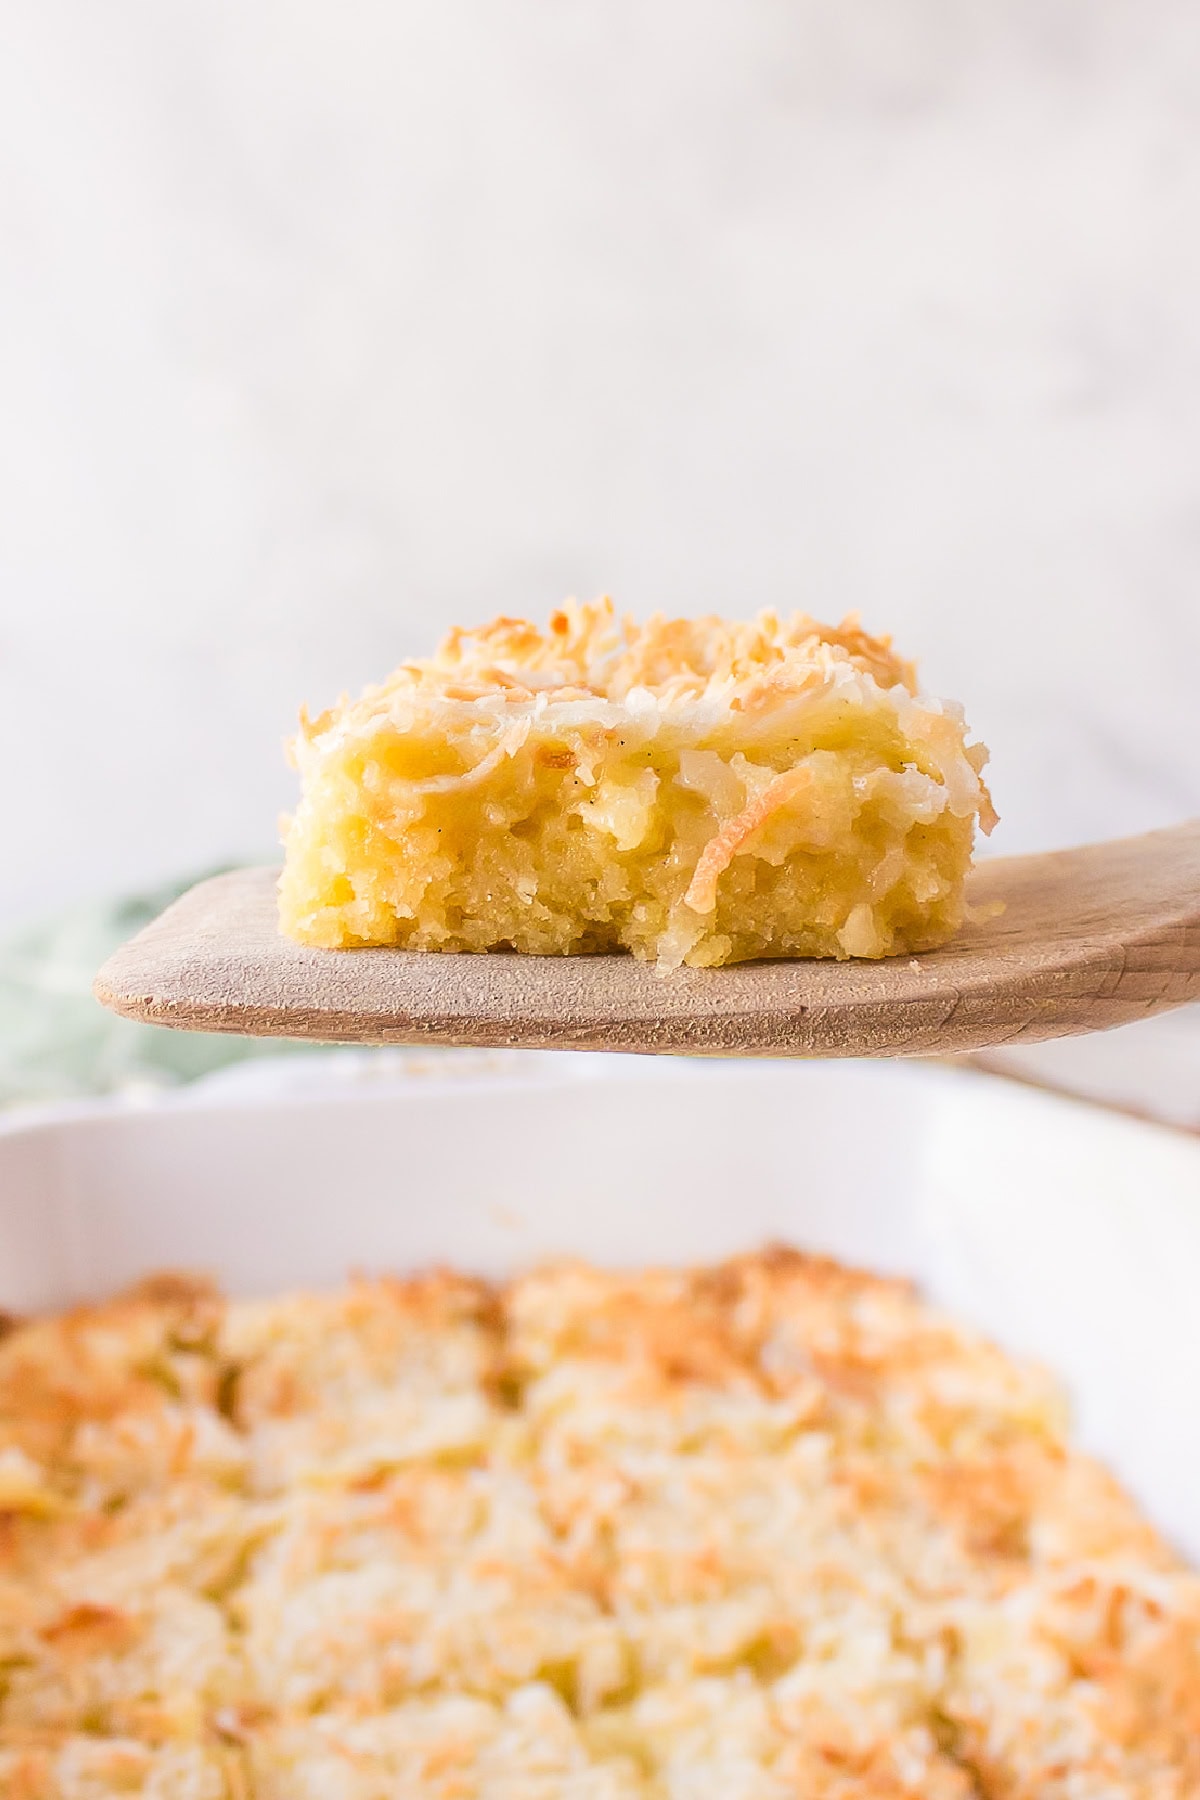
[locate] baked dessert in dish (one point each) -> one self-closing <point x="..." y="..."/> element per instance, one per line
<point x="763" y="1530"/>
<point x="692" y="790"/>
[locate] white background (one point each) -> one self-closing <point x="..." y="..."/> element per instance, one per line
<point x="323" y="324"/>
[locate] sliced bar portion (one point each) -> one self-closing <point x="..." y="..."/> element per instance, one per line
<point x="693" y="790"/>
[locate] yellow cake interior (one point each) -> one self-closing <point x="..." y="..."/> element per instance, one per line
<point x="692" y="790"/>
<point x="764" y="1531"/>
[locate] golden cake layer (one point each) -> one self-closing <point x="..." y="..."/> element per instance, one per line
<point x="692" y="790"/>
<point x="767" y="1530"/>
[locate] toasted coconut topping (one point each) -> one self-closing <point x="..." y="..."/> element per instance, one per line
<point x="693" y="790"/>
<point x="588" y="653"/>
<point x="766" y="1529"/>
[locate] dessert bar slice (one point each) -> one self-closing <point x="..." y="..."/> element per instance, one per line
<point x="693" y="790"/>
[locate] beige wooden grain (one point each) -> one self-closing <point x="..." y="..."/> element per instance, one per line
<point x="1088" y="939"/>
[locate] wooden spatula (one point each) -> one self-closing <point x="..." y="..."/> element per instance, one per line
<point x="1087" y="939"/>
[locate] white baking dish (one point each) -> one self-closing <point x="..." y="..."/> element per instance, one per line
<point x="1070" y="1235"/>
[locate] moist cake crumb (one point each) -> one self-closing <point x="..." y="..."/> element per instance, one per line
<point x="695" y="791"/>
